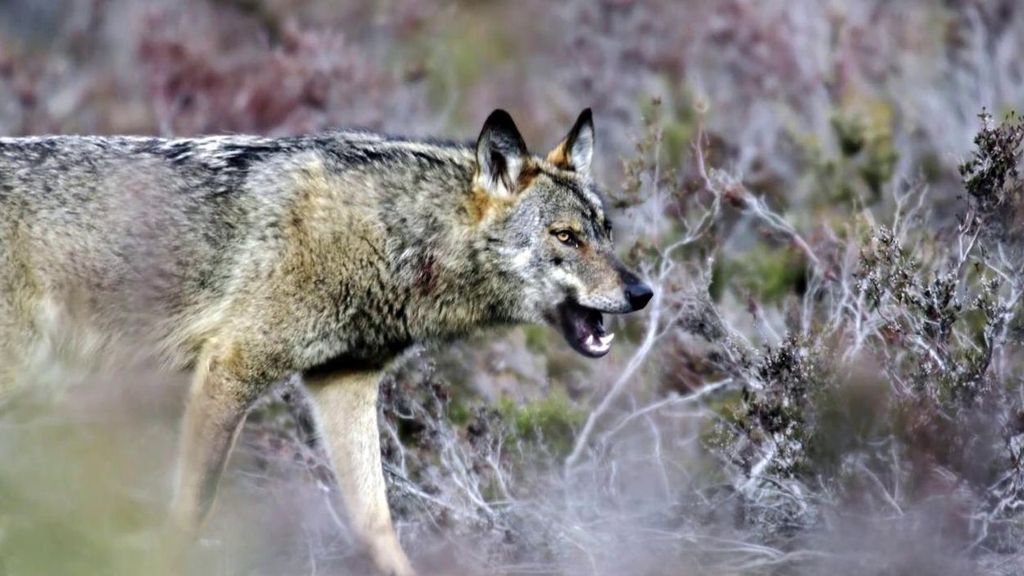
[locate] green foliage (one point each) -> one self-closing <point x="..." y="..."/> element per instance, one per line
<point x="537" y="338"/>
<point x="852" y="414"/>
<point x="991" y="176"/>
<point x="766" y="275"/>
<point x="458" y="412"/>
<point x="937" y="307"/>
<point x="551" y="421"/>
<point x="678" y="126"/>
<point x="995" y="161"/>
<point x="638" y="167"/>
<point x="866" y="158"/>
<point x="62" y="503"/>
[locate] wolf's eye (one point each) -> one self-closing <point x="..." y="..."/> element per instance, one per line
<point x="567" y="237"/>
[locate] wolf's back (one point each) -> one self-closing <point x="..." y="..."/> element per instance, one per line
<point x="154" y="239"/>
<point x="119" y="235"/>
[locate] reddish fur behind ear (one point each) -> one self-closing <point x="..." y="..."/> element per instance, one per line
<point x="482" y="202"/>
<point x="574" y="152"/>
<point x="559" y="157"/>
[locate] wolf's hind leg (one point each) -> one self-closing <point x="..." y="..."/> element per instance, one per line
<point x="217" y="405"/>
<point x="347" y="413"/>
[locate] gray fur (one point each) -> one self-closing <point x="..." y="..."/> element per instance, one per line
<point x="146" y="236"/>
<point x="248" y="258"/>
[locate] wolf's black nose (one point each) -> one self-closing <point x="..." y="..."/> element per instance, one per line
<point x="639" y="295"/>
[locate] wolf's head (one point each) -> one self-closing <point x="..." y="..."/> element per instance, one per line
<point x="551" y="233"/>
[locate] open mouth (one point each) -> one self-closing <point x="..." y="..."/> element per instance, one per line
<point x="584" y="329"/>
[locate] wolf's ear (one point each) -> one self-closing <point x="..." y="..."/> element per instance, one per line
<point x="500" y="154"/>
<point x="575" y="152"/>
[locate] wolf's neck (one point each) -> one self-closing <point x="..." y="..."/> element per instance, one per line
<point x="451" y="266"/>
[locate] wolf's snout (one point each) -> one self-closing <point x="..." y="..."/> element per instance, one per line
<point x="638" y="295"/>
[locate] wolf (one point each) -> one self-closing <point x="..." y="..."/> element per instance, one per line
<point x="247" y="260"/>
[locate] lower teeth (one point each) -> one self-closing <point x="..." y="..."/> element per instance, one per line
<point x="599" y="342"/>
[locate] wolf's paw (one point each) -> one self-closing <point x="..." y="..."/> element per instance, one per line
<point x="390" y="560"/>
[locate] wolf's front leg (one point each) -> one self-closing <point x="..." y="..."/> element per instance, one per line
<point x="347" y="412"/>
<point x="221" y="394"/>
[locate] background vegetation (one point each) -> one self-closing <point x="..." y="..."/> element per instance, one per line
<point x="826" y="196"/>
